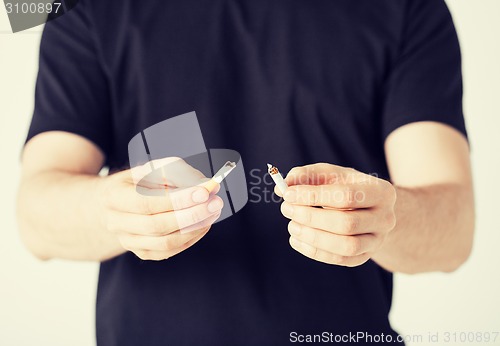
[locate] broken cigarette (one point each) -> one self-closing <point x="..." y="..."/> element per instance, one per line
<point x="277" y="178"/>
<point x="218" y="177"/>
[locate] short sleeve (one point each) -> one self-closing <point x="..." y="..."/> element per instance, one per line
<point x="71" y="90"/>
<point x="425" y="82"/>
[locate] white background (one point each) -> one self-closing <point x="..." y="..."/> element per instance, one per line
<point x="52" y="303"/>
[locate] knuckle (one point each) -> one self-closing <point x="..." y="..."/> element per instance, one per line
<point x="314" y="197"/>
<point x="154" y="225"/>
<point x="315" y="240"/>
<point x="348" y="198"/>
<point x="196" y="216"/>
<point x="144" y="205"/>
<point x="168" y="243"/>
<point x="352" y="246"/>
<point x="350" y="223"/>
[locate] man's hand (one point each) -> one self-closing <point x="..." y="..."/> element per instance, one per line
<point x="338" y="215"/>
<point x="163" y="215"/>
<point x="66" y="210"/>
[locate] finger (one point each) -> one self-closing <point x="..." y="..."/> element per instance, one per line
<point x="203" y="224"/>
<point x="171" y="171"/>
<point x="162" y="255"/>
<point x="153" y="201"/>
<point x="327" y="257"/>
<point x="180" y="174"/>
<point x="172" y="241"/>
<point x="343" y="222"/>
<point x="322" y="173"/>
<point x="343" y="245"/>
<point x="163" y="223"/>
<point x="340" y="196"/>
<point x="158" y="180"/>
<point x="277" y="191"/>
<point x="196" y="214"/>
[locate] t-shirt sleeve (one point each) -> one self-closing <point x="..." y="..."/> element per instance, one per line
<point x="425" y="82"/>
<point x="71" y="90"/>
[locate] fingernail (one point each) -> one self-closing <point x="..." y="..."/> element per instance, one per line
<point x="200" y="195"/>
<point x="287" y="210"/>
<point x="214" y="205"/>
<point x="290" y="195"/>
<point x="293" y="228"/>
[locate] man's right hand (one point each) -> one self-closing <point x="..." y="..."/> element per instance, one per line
<point x="163" y="213"/>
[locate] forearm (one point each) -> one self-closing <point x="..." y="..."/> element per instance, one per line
<point x="60" y="216"/>
<point x="434" y="230"/>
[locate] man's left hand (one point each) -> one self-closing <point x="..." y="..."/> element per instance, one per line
<point x="338" y="215"/>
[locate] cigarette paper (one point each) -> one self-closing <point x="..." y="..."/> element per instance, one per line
<point x="218" y="177"/>
<point x="277" y="178"/>
<point x="224" y="171"/>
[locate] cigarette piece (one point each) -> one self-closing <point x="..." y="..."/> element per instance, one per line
<point x="224" y="171"/>
<point x="218" y="177"/>
<point x="277" y="178"/>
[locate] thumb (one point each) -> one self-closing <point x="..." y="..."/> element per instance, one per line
<point x="322" y="174"/>
<point x="170" y="171"/>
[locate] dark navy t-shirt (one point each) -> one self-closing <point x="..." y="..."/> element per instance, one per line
<point x="291" y="82"/>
